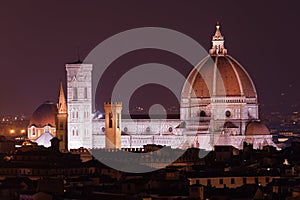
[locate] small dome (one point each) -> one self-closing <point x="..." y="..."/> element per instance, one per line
<point x="257" y="128"/>
<point x="44" y="115"/>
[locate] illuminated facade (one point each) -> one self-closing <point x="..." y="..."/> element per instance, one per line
<point x="218" y="104"/>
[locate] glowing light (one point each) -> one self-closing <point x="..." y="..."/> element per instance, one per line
<point x="12" y="131"/>
<point x="286" y="162"/>
<point x="23" y="131"/>
<point x="100" y="116"/>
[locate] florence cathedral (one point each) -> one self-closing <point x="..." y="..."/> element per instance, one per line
<point x="219" y="106"/>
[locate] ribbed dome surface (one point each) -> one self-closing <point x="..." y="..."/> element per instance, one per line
<point x="219" y="76"/>
<point x="44" y="115"/>
<point x="257" y="128"/>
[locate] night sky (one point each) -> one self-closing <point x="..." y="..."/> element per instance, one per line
<point x="37" y="38"/>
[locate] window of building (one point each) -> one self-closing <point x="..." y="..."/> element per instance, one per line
<point x="77" y="132"/>
<point x="33" y="131"/>
<point x="227" y="113"/>
<point x="75" y="93"/>
<point x="110" y="120"/>
<point x="118" y="120"/>
<point x="220" y="181"/>
<point x="256" y="180"/>
<point x="267" y="179"/>
<point x="232" y="181"/>
<point x="85" y="93"/>
<point x="73" y="132"/>
<point x="202" y="113"/>
<point x="244" y="180"/>
<point x="208" y="182"/>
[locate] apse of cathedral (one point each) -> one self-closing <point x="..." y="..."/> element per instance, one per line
<point x="219" y="106"/>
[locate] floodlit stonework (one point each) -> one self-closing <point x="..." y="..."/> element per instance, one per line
<point x="218" y="103"/>
<point x="79" y="101"/>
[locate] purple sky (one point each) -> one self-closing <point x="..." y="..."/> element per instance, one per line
<point x="38" y="37"/>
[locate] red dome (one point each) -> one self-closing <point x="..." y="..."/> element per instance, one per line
<point x="230" y="79"/>
<point x="257" y="128"/>
<point x="44" y="115"/>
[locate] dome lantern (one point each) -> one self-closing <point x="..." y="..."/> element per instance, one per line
<point x="218" y="47"/>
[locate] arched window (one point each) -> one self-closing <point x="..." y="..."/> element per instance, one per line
<point x="202" y="113"/>
<point x="33" y="131"/>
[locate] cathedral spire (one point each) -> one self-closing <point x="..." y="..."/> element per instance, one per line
<point x="218" y="47"/>
<point x="62" y="105"/>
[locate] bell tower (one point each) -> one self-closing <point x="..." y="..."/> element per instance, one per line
<point x="79" y="101"/>
<point x="113" y="124"/>
<point x="61" y="120"/>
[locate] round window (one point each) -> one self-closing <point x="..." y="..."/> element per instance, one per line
<point x="148" y="129"/>
<point x="103" y="129"/>
<point x="170" y="129"/>
<point x="125" y="129"/>
<point x="227" y="113"/>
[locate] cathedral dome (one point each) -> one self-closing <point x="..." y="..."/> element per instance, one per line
<point x="231" y="79"/>
<point x="44" y="115"/>
<point x="257" y="128"/>
<point x="218" y="74"/>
